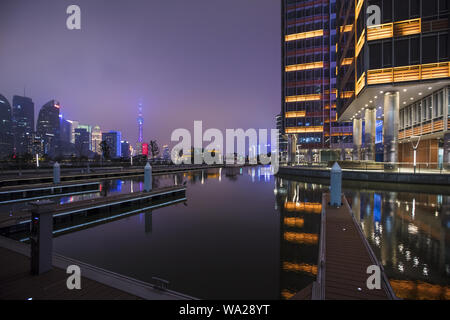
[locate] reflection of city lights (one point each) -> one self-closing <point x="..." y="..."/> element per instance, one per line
<point x="416" y="261"/>
<point x="400" y="247"/>
<point x="425" y="271"/>
<point x="412" y="229"/>
<point x="400" y="267"/>
<point x="408" y="255"/>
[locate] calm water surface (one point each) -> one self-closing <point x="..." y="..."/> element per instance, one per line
<point x="251" y="235"/>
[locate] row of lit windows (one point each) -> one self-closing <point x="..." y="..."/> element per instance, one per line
<point x="304" y="12"/>
<point x="305" y="75"/>
<point x="429" y="108"/>
<point x="304" y="122"/>
<point x="307" y="58"/>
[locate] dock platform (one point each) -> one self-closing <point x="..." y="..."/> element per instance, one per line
<point x="344" y="256"/>
<point x="16" y="282"/>
<point x="93" y="211"/>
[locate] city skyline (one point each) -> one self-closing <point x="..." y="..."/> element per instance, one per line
<point x="214" y="75"/>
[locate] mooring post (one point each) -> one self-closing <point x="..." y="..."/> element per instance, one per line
<point x="148" y="177"/>
<point x="336" y="185"/>
<point x="41" y="236"/>
<point x="56" y="173"/>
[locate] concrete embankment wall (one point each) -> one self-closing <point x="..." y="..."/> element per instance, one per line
<point x="371" y="176"/>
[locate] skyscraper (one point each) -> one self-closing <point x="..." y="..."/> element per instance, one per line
<point x="48" y="127"/>
<point x="309" y="82"/>
<point x="23" y="124"/>
<point x="82" y="142"/>
<point x="113" y="139"/>
<point x="394" y="78"/>
<point x="96" y="139"/>
<point x="140" y="121"/>
<point x="6" y="134"/>
<point x="125" y="147"/>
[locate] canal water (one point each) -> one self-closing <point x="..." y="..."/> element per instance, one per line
<point x="250" y="235"/>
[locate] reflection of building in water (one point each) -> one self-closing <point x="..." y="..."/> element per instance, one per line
<point x="300" y="206"/>
<point x="408" y="233"/>
<point x="149" y="222"/>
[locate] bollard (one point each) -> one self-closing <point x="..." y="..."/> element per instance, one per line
<point x="148" y="178"/>
<point x="41" y="236"/>
<point x="336" y="185"/>
<point x="56" y="173"/>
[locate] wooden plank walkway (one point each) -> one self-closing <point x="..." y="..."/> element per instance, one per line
<point x="16" y="283"/>
<point x="344" y="257"/>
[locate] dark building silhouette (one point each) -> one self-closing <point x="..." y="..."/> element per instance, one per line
<point x="125" y="147"/>
<point x="23" y="124"/>
<point x="113" y="140"/>
<point x="6" y="134"/>
<point x="48" y="127"/>
<point x="82" y="142"/>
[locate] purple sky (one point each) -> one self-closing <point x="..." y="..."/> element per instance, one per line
<point x="211" y="60"/>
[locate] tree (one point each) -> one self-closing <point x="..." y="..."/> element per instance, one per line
<point x="106" y="150"/>
<point x="154" y="148"/>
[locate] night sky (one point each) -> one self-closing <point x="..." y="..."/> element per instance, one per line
<point x="211" y="60"/>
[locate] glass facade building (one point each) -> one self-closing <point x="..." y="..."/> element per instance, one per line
<point x="309" y="98"/>
<point x="48" y="127"/>
<point x="6" y="133"/>
<point x="393" y="66"/>
<point x="23" y="124"/>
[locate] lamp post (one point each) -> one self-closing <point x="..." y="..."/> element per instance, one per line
<point x="415" y="146"/>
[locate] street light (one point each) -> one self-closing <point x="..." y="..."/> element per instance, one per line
<point x="415" y="146"/>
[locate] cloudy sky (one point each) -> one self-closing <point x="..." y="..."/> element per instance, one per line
<point x="211" y="60"/>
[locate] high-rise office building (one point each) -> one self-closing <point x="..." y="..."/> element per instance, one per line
<point x="96" y="139"/>
<point x="23" y="124"/>
<point x="113" y="139"/>
<point x="6" y="133"/>
<point x="82" y="142"/>
<point x="309" y="112"/>
<point x="48" y="127"/>
<point x="394" y="78"/>
<point x="282" y="141"/>
<point x="73" y="125"/>
<point x="88" y="128"/>
<point x="140" y="121"/>
<point x="125" y="147"/>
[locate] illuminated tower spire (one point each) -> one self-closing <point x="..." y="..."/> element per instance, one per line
<point x="140" y="121"/>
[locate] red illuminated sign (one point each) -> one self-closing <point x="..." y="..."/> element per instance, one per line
<point x="145" y="149"/>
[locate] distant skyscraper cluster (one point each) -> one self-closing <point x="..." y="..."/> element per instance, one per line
<point x="55" y="136"/>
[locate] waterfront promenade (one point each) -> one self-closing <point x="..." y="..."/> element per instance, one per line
<point x="431" y="177"/>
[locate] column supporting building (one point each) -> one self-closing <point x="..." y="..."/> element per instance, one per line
<point x="292" y="149"/>
<point x="390" y="126"/>
<point x="357" y="138"/>
<point x="370" y="119"/>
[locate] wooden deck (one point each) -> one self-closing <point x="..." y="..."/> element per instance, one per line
<point x="16" y="283"/>
<point x="344" y="257"/>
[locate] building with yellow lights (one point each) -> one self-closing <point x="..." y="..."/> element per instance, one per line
<point x="309" y="98"/>
<point x="394" y="75"/>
